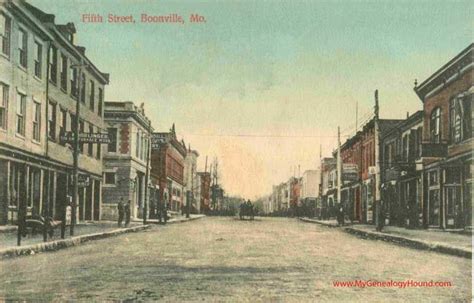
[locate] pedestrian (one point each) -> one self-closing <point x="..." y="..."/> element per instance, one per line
<point x="121" y="211"/>
<point x="127" y="213"/>
<point x="340" y="215"/>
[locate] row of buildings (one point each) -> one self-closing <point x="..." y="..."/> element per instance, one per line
<point x="48" y="89"/>
<point x="414" y="172"/>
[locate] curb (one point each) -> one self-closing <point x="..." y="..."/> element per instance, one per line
<point x="412" y="243"/>
<point x="33" y="249"/>
<point x="327" y="224"/>
<point x="399" y="240"/>
<point x="65" y="243"/>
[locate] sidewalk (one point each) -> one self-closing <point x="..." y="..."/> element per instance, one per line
<point x="176" y="219"/>
<point x="434" y="240"/>
<point x="84" y="232"/>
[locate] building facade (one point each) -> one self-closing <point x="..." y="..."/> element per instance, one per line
<point x="446" y="151"/>
<point x="125" y="159"/>
<point x="167" y="163"/>
<point x="40" y="71"/>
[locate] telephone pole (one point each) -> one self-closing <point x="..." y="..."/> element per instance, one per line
<point x="377" y="160"/>
<point x="147" y="173"/>
<point x="339" y="165"/>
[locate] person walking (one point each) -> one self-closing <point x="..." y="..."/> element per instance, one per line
<point x="121" y="212"/>
<point x="127" y="213"/>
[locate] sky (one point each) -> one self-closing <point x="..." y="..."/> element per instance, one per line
<point x="261" y="85"/>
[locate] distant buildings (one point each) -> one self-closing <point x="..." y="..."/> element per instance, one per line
<point x="413" y="172"/>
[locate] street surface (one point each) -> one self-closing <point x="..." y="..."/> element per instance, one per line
<point x="224" y="259"/>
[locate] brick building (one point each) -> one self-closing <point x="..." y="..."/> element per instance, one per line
<point x="125" y="159"/>
<point x="167" y="167"/>
<point x="446" y="152"/>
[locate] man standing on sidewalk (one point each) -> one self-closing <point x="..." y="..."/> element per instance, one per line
<point x="127" y="213"/>
<point x="121" y="211"/>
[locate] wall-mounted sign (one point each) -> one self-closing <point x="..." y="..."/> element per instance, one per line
<point x="94" y="138"/>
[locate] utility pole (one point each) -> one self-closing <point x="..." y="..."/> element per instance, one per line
<point x="147" y="173"/>
<point x="357" y="116"/>
<point x="377" y="160"/>
<point x="339" y="165"/>
<point x="75" y="153"/>
<point x="190" y="199"/>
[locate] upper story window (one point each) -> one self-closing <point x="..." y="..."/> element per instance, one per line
<point x="52" y="120"/>
<point x="3" y="105"/>
<point x="73" y="77"/>
<point x="92" y="95"/>
<point x="137" y="149"/>
<point x="20" y="114"/>
<point x="460" y="116"/>
<point x="64" y="72"/>
<point x="63" y="125"/>
<point x="38" y="59"/>
<point x="435" y="125"/>
<point x="22" y="48"/>
<point x="101" y="101"/>
<point x="112" y="146"/>
<point x="5" y="34"/>
<point x="81" y="130"/>
<point x="83" y="88"/>
<point x="53" y="64"/>
<point x="36" y="121"/>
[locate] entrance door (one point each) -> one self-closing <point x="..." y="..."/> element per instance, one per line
<point x="61" y="193"/>
<point x="453" y="200"/>
<point x="96" y="200"/>
<point x="434" y="207"/>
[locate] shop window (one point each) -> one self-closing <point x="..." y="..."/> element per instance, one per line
<point x="433" y="178"/>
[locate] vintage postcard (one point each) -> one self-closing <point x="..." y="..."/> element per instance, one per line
<point x="312" y="150"/>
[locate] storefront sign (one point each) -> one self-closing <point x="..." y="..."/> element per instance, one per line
<point x="157" y="140"/>
<point x="94" y="138"/>
<point x="350" y="172"/>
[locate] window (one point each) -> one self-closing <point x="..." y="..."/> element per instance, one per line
<point x="460" y="116"/>
<point x="92" y="95"/>
<point x="22" y="48"/>
<point x="112" y="146"/>
<point x="53" y="64"/>
<point x="137" y="147"/>
<point x="38" y="58"/>
<point x="81" y="131"/>
<point x="101" y="100"/>
<point x="20" y="114"/>
<point x="73" y="77"/>
<point x="63" y="126"/>
<point x="3" y="105"/>
<point x="52" y="120"/>
<point x="90" y="147"/>
<point x="63" y="72"/>
<point x="5" y="33"/>
<point x="83" y="88"/>
<point x="109" y="178"/>
<point x="435" y="125"/>
<point x="73" y="122"/>
<point x="99" y="148"/>
<point x="36" y="121"/>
